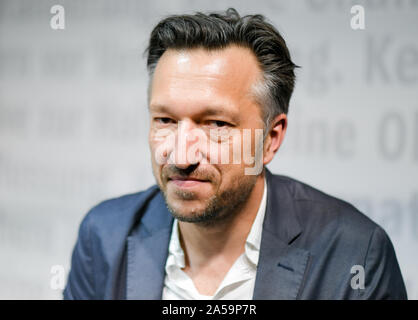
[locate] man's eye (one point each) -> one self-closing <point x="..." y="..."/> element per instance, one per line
<point x="219" y="123"/>
<point x="164" y="120"/>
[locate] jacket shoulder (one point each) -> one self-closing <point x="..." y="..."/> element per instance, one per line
<point x="109" y="222"/>
<point x="340" y="237"/>
<point x="119" y="213"/>
<point x="101" y="240"/>
<point x="316" y="205"/>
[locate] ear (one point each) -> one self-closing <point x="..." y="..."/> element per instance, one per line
<point x="274" y="138"/>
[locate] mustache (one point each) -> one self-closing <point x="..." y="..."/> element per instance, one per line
<point x="191" y="172"/>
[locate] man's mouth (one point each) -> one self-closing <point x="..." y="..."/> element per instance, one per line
<point x="187" y="182"/>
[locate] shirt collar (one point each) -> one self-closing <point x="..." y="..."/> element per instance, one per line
<point x="253" y="242"/>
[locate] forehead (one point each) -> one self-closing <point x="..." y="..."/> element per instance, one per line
<point x="200" y="77"/>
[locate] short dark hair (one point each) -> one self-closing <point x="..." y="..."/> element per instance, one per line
<point x="219" y="30"/>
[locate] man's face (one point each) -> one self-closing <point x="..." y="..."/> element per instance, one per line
<point x="200" y="98"/>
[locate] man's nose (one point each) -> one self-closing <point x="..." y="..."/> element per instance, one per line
<point x="186" y="151"/>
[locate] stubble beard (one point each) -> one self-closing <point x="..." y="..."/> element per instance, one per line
<point x="218" y="209"/>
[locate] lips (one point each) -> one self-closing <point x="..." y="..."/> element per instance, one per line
<point x="186" y="182"/>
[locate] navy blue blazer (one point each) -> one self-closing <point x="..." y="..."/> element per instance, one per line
<point x="310" y="242"/>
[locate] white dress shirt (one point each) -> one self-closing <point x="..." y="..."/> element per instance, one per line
<point x="238" y="283"/>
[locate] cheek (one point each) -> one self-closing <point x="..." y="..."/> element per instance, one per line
<point x="230" y="175"/>
<point x="161" y="144"/>
<point x="225" y="147"/>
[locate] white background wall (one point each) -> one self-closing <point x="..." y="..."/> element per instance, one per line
<point x="73" y="118"/>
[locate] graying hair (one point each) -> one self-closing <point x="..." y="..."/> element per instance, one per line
<point x="219" y="30"/>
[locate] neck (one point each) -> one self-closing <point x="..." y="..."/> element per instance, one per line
<point x="226" y="241"/>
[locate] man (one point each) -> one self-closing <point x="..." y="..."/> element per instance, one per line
<point x="219" y="225"/>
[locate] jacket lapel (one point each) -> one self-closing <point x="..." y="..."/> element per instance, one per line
<point x="280" y="270"/>
<point x="147" y="251"/>
<point x="281" y="266"/>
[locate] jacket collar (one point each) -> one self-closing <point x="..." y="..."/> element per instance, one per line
<point x="281" y="216"/>
<point x="281" y="266"/>
<point x="147" y="251"/>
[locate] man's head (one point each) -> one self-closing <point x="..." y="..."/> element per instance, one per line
<point x="222" y="74"/>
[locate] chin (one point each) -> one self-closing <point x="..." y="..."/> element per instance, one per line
<point x="186" y="208"/>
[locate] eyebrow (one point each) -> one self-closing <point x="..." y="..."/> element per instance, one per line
<point x="209" y="111"/>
